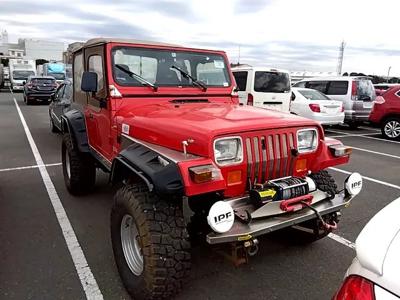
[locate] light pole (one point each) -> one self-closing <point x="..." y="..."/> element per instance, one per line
<point x="388" y="74"/>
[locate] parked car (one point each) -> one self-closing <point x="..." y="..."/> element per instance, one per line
<point x="39" y="88"/>
<point x="263" y="87"/>
<point x="375" y="271"/>
<point x="61" y="102"/>
<point x="314" y="105"/>
<point x="386" y="113"/>
<point x="356" y="93"/>
<point x="188" y="158"/>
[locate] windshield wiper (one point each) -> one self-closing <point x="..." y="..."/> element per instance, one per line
<point x="188" y="76"/>
<point x="137" y="77"/>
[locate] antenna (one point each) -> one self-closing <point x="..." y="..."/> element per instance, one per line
<point x="239" y="56"/>
<point x="340" y="58"/>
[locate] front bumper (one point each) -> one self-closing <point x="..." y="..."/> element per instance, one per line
<point x="268" y="219"/>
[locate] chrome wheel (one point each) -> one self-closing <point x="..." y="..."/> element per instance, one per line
<point x="67" y="164"/>
<point x="392" y="129"/>
<point x="130" y="245"/>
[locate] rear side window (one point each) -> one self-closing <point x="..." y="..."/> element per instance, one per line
<point x="271" y="82"/>
<point x="317" y="85"/>
<point x="337" y="88"/>
<point x="241" y="80"/>
<point x="313" y="95"/>
<point x="300" y="84"/>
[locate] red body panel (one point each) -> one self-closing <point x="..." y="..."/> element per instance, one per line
<point x="391" y="106"/>
<point x="154" y="117"/>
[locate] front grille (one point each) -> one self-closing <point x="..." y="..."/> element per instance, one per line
<point x="269" y="156"/>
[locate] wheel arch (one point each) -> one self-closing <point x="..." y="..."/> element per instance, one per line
<point x="73" y="122"/>
<point x="158" y="172"/>
<point x="390" y="116"/>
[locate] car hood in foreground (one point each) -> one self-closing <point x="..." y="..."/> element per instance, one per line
<point x="378" y="246"/>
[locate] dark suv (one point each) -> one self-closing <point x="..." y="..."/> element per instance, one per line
<point x="39" y="88"/>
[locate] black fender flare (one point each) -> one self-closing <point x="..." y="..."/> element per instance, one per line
<point x="73" y="121"/>
<point x="158" y="172"/>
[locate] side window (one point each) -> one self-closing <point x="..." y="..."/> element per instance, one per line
<point x="60" y="92"/>
<point x="241" y="80"/>
<point x="79" y="96"/>
<point x="338" y="88"/>
<point x="95" y="64"/>
<point x="300" y="84"/>
<point x="68" y="92"/>
<point x="317" y="85"/>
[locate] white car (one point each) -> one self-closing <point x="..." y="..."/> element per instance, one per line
<point x="375" y="272"/>
<point x="312" y="104"/>
<point x="263" y="87"/>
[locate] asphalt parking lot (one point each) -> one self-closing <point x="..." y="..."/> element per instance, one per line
<point x="36" y="262"/>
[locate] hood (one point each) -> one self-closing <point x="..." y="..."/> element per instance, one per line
<point x="378" y="245"/>
<point x="169" y="123"/>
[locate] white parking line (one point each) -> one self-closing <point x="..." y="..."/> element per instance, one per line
<point x="375" y="152"/>
<point x="372" y="129"/>
<point x="29" y="167"/>
<point x="349" y="135"/>
<point x="86" y="277"/>
<point x="342" y="240"/>
<point x="380" y="139"/>
<point x="368" y="178"/>
<point x="336" y="131"/>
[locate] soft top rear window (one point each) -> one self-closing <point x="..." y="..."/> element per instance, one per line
<point x="271" y="82"/>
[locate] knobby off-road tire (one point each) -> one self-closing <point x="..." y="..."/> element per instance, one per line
<point x="162" y="259"/>
<point x="325" y="182"/>
<point x="78" y="168"/>
<point x="304" y="233"/>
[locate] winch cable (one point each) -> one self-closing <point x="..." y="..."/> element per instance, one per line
<point x="326" y="226"/>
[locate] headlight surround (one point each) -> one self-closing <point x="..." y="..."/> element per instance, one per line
<point x="307" y="140"/>
<point x="228" y="150"/>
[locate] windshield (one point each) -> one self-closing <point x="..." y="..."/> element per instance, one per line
<point x="271" y="82"/>
<point x="313" y="95"/>
<point x="155" y="65"/>
<point x="22" y="74"/>
<point x="365" y="90"/>
<point x="58" y="76"/>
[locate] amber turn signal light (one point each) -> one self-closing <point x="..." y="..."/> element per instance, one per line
<point x="201" y="174"/>
<point x="301" y="165"/>
<point x="234" y="177"/>
<point x="340" y="150"/>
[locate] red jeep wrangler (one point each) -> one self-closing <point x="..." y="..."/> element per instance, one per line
<point x="164" y="121"/>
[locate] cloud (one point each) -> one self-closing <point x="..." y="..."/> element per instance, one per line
<point x="297" y="35"/>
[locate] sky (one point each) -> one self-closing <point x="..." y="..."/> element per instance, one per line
<point x="302" y="35"/>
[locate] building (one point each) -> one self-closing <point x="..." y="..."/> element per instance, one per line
<point x="41" y="49"/>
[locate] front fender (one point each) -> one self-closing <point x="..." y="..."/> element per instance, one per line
<point x="73" y="121"/>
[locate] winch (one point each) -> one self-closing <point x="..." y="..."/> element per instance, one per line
<point x="280" y="189"/>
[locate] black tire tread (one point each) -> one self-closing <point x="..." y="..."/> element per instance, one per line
<point x="325" y="182"/>
<point x="82" y="167"/>
<point x="165" y="242"/>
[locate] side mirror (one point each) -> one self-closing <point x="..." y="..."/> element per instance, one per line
<point x="23" y="82"/>
<point x="89" y="82"/>
<point x="292" y="97"/>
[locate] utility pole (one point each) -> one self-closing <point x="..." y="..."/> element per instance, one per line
<point x="388" y="74"/>
<point x="340" y="58"/>
<point x="239" y="56"/>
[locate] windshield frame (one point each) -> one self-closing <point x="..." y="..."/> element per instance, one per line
<point x="226" y="68"/>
